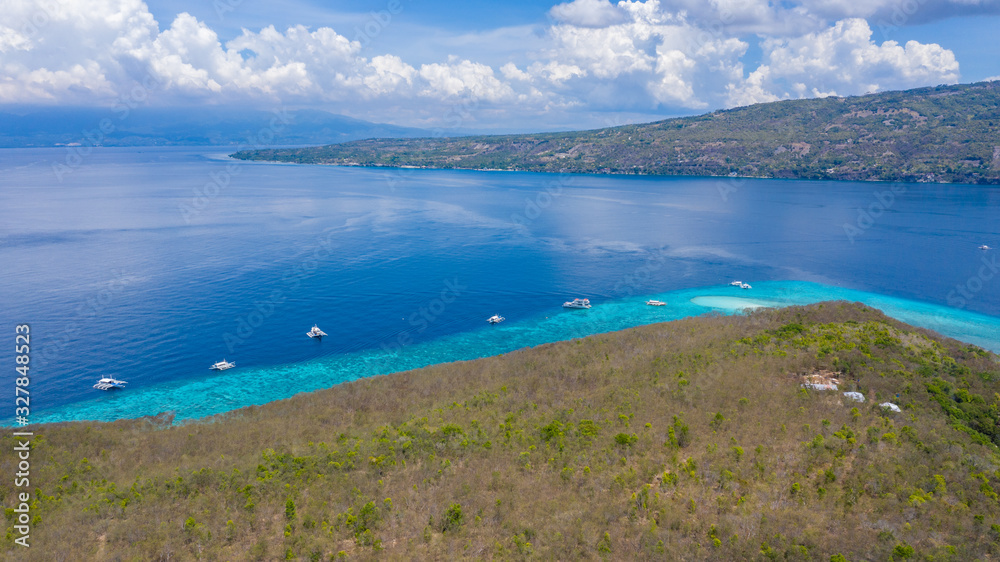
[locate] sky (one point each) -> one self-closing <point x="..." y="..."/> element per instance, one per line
<point x="480" y="65"/>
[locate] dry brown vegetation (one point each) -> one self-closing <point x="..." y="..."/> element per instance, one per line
<point x="688" y="440"/>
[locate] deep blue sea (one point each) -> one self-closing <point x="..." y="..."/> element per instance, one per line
<point x="150" y="264"/>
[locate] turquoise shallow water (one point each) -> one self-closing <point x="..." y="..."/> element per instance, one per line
<point x="242" y="387"/>
<point x="123" y="269"/>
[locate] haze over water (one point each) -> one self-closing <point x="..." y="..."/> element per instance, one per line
<point x="121" y="269"/>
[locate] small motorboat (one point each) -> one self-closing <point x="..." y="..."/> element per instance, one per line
<point x="656" y="303"/>
<point x="223" y="365"/>
<point x="577" y="303"/>
<point x="315" y="332"/>
<point x="109" y="383"/>
<point x="736" y="283"/>
<point x="495" y="319"/>
<point x="985" y="247"/>
<point x="746" y="286"/>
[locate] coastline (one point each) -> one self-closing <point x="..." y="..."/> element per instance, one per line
<point x="738" y="177"/>
<point x="253" y="386"/>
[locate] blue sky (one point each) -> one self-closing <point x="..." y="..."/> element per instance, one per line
<point x="479" y="65"/>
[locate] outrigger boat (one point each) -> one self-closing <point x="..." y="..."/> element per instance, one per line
<point x="577" y="303"/>
<point x="223" y="365"/>
<point x="495" y="319"/>
<point x="315" y="332"/>
<point x="108" y="383"/>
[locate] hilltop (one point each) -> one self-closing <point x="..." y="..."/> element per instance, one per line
<point x="691" y="440"/>
<point x="946" y="134"/>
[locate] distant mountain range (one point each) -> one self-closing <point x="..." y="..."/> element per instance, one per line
<point x="202" y="126"/>
<point x="942" y="134"/>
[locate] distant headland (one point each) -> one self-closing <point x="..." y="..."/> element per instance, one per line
<point x="942" y="134"/>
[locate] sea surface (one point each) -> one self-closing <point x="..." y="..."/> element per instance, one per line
<point x="150" y="264"/>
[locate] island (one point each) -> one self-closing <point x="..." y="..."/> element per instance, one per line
<point x="943" y="134"/>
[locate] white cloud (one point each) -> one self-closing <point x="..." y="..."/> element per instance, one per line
<point x="390" y="74"/>
<point x="556" y="72"/>
<point x="789" y="19"/>
<point x="744" y="16"/>
<point x="752" y="90"/>
<point x="61" y="50"/>
<point x="843" y="60"/>
<point x="464" y="79"/>
<point x="632" y="56"/>
<point x="655" y="58"/>
<point x="11" y="39"/>
<point x="92" y="53"/>
<point x="587" y="13"/>
<point x="900" y="12"/>
<point x="511" y="72"/>
<point x="42" y="84"/>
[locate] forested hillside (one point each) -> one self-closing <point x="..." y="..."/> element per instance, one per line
<point x="947" y="134"/>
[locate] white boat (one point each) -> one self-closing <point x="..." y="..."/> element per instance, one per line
<point x="495" y="319"/>
<point x="223" y="365"/>
<point x="656" y="303"/>
<point x="315" y="332"/>
<point x="736" y="283"/>
<point x="577" y="303"/>
<point x="108" y="383"/>
<point x="745" y="286"/>
<point x="985" y="247"/>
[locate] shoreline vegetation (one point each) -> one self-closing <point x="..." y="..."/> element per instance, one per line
<point x="942" y="134"/>
<point x="690" y="439"/>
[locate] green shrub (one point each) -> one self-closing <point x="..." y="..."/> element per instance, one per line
<point x="902" y="551"/>
<point x="604" y="545"/>
<point x="453" y="518"/>
<point x="367" y="519"/>
<point x="588" y="428"/>
<point x="626" y="440"/>
<point x="678" y="434"/>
